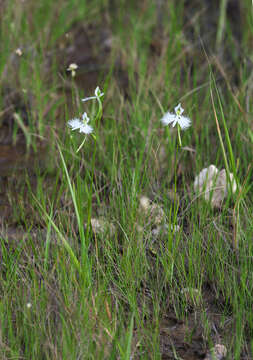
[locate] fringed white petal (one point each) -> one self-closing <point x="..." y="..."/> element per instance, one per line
<point x="168" y="118"/>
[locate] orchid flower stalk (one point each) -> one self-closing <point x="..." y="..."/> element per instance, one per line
<point x="98" y="95"/>
<point x="83" y="124"/>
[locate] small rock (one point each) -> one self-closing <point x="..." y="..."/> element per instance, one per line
<point x="145" y="203"/>
<point x="157" y="213"/>
<point x="219" y="352"/>
<point x="155" y="216"/>
<point x="153" y="211"/>
<point x="205" y="180"/>
<point x="213" y="185"/>
<point x="101" y="226"/>
<point x="164" y="229"/>
<point x="19" y="52"/>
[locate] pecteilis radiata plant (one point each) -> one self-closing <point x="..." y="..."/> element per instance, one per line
<point x="83" y="124"/>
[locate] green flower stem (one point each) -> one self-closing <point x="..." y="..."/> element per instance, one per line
<point x="179" y="136"/>
<point x="80" y="147"/>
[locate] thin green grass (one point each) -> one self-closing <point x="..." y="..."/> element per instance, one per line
<point x="69" y="291"/>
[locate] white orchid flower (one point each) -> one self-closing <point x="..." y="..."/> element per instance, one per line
<point x="82" y="126"/>
<point x="177" y="118"/>
<point x="98" y="95"/>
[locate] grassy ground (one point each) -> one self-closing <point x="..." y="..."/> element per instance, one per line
<point x="126" y="291"/>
